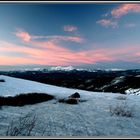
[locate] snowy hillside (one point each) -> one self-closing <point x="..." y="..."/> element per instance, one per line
<point x="13" y="86"/>
<point x="94" y="117"/>
<point x="132" y="91"/>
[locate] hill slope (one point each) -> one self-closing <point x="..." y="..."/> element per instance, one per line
<point x="93" y="117"/>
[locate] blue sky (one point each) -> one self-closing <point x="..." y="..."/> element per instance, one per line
<point x="69" y="34"/>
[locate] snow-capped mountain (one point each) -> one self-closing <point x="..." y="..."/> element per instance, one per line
<point x="89" y="118"/>
<point x="114" y="69"/>
<point x="69" y="68"/>
<point x="57" y="68"/>
<point x="49" y="68"/>
<point x="64" y="68"/>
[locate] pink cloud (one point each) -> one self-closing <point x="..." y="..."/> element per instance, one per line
<point x="47" y="53"/>
<point x="58" y="38"/>
<point x="107" y="23"/>
<point x="70" y="28"/>
<point x="61" y="54"/>
<point x="118" y="12"/>
<point x="25" y="36"/>
<point x="69" y="38"/>
<point x="125" y="9"/>
<point x="6" y="47"/>
<point x="52" y="53"/>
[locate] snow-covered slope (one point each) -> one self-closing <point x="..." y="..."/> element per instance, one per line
<point x="132" y="91"/>
<point x="114" y="82"/>
<point x="90" y="118"/>
<point x="13" y="86"/>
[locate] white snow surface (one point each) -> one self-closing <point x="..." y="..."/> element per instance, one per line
<point x="89" y="118"/>
<point x="13" y="86"/>
<point x="132" y="91"/>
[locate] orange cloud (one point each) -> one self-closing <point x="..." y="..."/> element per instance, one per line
<point x="125" y="9"/>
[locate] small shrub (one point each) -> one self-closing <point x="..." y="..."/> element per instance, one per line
<point x="23" y="126"/>
<point x="61" y="100"/>
<point x="2" y="80"/>
<point x="121" y="110"/>
<point x="72" y="101"/>
<point x="25" y="99"/>
<point x="68" y="101"/>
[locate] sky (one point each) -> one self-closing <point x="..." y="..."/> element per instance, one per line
<point x="70" y="34"/>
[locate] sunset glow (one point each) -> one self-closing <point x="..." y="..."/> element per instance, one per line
<point x="108" y="33"/>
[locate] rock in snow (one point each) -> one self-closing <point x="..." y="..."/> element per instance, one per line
<point x="75" y="95"/>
